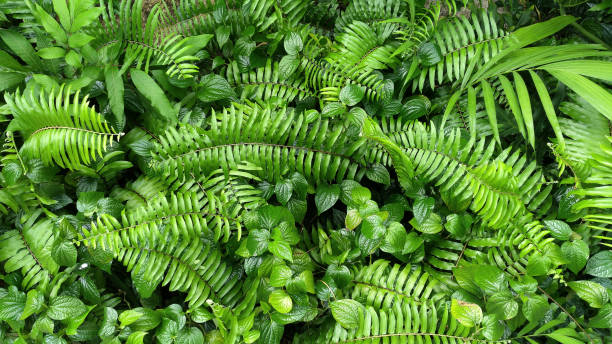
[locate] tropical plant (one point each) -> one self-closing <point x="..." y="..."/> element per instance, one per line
<point x="291" y="171"/>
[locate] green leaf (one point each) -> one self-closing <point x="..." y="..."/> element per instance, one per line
<point x="548" y="106"/>
<point x="326" y="197"/>
<point x="431" y="225"/>
<point x="558" y="229"/>
<point x="283" y="190"/>
<point x="222" y="33"/>
<point x="34" y="303"/>
<point x="21" y="47"/>
<point x="597" y="96"/>
<point x="490" y="279"/>
<point x="79" y="39"/>
<point x="74" y="59"/>
<point x="348" y="313"/>
<point x="352" y="219"/>
<point x="535" y="307"/>
<point x="492" y="328"/>
<point x="415" y="108"/>
<point x="64" y="307"/>
<point x="12" y="304"/>
<point x="115" y="91"/>
<point x="538" y="265"/>
<point x="151" y="91"/>
<point x="340" y="274"/>
<point x="281" y="249"/>
<point x="126" y="318"/>
<point x="429" y="54"/>
<point x="51" y="53"/>
<point x="395" y="238"/>
<point x="468" y="314"/>
<point x="109" y="320"/>
<point x="288" y="65"/>
<point x="372" y="227"/>
<point x="593" y="293"/>
<point x="351" y="94"/>
<point x="280" y="301"/>
<point x="503" y="305"/>
<point x="489" y="100"/>
<point x="600" y="265"/>
<point x="60" y="8"/>
<point x="64" y="253"/>
<point x="576" y="253"/>
<point x="214" y="87"/>
<point x="191" y="335"/>
<point x="422" y="208"/>
<point x="136" y="337"/>
<point x="281" y="274"/>
<point x="603" y="319"/>
<point x="50" y="25"/>
<point x="378" y="173"/>
<point x="293" y="43"/>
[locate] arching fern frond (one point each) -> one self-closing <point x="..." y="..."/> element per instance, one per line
<point x="279" y="143"/>
<point x="374" y="13"/>
<point x="381" y="284"/>
<point x="359" y="48"/>
<point x="465" y="171"/>
<point x="328" y="80"/>
<point x="60" y="128"/>
<point x="464" y="45"/>
<point x="267" y="82"/>
<point x="126" y="34"/>
<point x="182" y="215"/>
<point x="28" y="248"/>
<point x="138" y="193"/>
<point x="190" y="266"/>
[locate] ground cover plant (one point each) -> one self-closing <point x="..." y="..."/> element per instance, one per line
<point x="295" y="171"/>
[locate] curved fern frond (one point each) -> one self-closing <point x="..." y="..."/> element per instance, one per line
<point x="138" y="193"/>
<point x="190" y="266"/>
<point x="405" y="322"/>
<point x="380" y="284"/>
<point x="328" y="80"/>
<point x="127" y="34"/>
<point x="465" y="171"/>
<point x="360" y="48"/>
<point x="374" y="13"/>
<point x="59" y="128"/>
<point x="182" y="215"/>
<point x="464" y="45"/>
<point x="28" y="248"/>
<point x="267" y="82"/>
<point x="279" y="143"/>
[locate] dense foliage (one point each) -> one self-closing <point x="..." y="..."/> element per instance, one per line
<point x="331" y="171"/>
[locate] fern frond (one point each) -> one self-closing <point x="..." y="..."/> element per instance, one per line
<point x="359" y="48"/>
<point x="140" y="192"/>
<point x="381" y="284"/>
<point x="374" y="13"/>
<point x="139" y="43"/>
<point x="329" y="79"/>
<point x="60" y="128"/>
<point x="464" y="44"/>
<point x="267" y="82"/>
<point x="465" y="171"/>
<point x="279" y="143"/>
<point x="28" y="248"/>
<point x="190" y="266"/>
<point x="425" y="322"/>
<point x="182" y="215"/>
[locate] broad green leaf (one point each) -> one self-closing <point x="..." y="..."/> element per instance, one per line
<point x="558" y="229"/>
<point x="64" y="307"/>
<point x="378" y="173"/>
<point x="597" y="96"/>
<point x="503" y="305"/>
<point x="600" y="265"/>
<point x="214" y="87"/>
<point x="348" y="313"/>
<point x="576" y="253"/>
<point x="12" y="304"/>
<point x="468" y="314"/>
<point x="326" y="196"/>
<point x="51" y="53"/>
<point x="535" y="307"/>
<point x="154" y="94"/>
<point x="429" y="54"/>
<point x="34" y="303"/>
<point x="281" y="274"/>
<point x="593" y="293"/>
<point x="281" y="249"/>
<point x="281" y="301"/>
<point x="191" y="335"/>
<point x="351" y="94"/>
<point x="490" y="279"/>
<point x="115" y="92"/>
<point x="293" y="43"/>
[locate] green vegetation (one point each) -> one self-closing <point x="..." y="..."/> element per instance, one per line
<point x="297" y="171"/>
